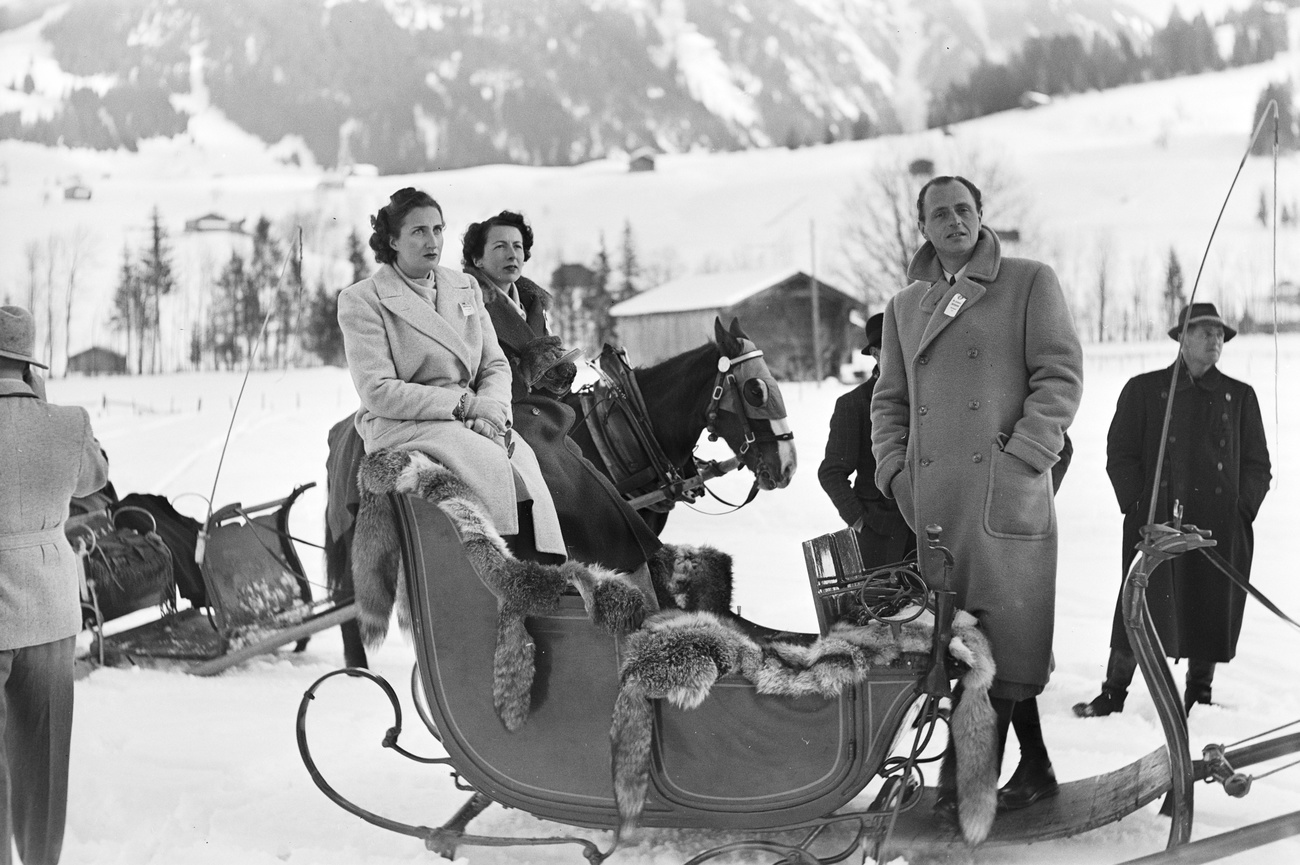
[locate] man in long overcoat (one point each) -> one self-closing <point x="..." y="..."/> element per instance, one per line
<point x="1217" y="467"/>
<point x="49" y="455"/>
<point x="883" y="535"/>
<point x="981" y="374"/>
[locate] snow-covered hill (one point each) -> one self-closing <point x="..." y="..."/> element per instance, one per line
<point x="1126" y="174"/>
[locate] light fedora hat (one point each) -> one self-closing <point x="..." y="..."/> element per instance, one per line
<point x="18" y="335"/>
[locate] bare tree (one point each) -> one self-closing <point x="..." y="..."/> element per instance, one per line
<point x="1104" y="252"/>
<point x="79" y="249"/>
<point x="881" y="235"/>
<point x="52" y="248"/>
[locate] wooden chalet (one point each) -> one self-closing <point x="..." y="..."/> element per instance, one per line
<point x="774" y="308"/>
<point x="97" y="361"/>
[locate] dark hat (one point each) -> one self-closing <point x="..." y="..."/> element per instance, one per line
<point x="1201" y="312"/>
<point x="874" y="325"/>
<point x="18" y="335"/>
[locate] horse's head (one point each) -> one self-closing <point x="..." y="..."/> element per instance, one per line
<point x="747" y="411"/>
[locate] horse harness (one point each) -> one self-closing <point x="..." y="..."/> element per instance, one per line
<point x="619" y="422"/>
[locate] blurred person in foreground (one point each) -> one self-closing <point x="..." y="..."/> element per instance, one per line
<point x="981" y="375"/>
<point x="431" y="375"/>
<point x="1217" y="467"/>
<point x="599" y="525"/>
<point x="883" y="535"/>
<point x="49" y="456"/>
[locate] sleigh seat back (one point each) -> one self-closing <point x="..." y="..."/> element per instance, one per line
<point x="740" y="760"/>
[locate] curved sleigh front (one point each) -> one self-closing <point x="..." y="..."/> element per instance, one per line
<point x="740" y="760"/>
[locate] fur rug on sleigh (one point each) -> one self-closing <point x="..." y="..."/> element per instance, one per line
<point x="522" y="588"/>
<point x="678" y="656"/>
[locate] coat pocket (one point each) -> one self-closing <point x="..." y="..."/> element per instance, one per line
<point x="1019" y="502"/>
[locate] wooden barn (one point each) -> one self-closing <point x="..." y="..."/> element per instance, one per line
<point x="774" y="308"/>
<point x="97" y="361"/>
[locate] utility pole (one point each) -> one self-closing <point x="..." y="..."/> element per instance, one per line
<point x="816" y="302"/>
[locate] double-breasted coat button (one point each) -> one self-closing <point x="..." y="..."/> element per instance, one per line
<point x="973" y="404"/>
<point x="1220" y="466"/>
<point x="972" y="352"/>
<point x="1218" y="490"/>
<point x="1172" y="439"/>
<point x="925" y="462"/>
<point x="1164" y="394"/>
<point x="977" y="458"/>
<point x="536" y="410"/>
<point x="922" y="410"/>
<point x="1228" y="397"/>
<point x="923" y="359"/>
<point x="1222" y="442"/>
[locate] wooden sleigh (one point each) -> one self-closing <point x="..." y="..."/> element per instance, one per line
<point x="256" y="599"/>
<point x="742" y="762"/>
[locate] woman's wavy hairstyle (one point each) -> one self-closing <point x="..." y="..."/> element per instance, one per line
<point x="387" y="223"/>
<point x="475" y="242"/>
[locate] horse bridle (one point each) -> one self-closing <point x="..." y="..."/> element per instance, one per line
<point x="726" y="379"/>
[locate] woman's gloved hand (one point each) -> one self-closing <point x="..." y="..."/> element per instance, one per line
<point x="489" y="410"/>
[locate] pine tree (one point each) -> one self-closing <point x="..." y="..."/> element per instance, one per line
<point x="357" y="257"/>
<point x="157" y="279"/>
<point x="1173" y="286"/>
<point x="129" y="307"/>
<point x="322" y="336"/>
<point x="597" y="301"/>
<point x="629" y="266"/>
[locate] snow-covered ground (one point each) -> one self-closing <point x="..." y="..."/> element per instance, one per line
<point x="168" y="768"/>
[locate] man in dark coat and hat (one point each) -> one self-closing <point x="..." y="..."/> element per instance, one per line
<point x="1217" y="467"/>
<point x="883" y="534"/>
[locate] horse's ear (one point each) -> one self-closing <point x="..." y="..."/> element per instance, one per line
<point x="719" y="332"/>
<point x="736" y="331"/>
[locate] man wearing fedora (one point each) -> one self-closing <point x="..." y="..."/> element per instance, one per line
<point x="883" y="534"/>
<point x="1216" y="466"/>
<point x="49" y="455"/>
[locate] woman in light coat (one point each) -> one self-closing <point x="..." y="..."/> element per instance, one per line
<point x="431" y="376"/>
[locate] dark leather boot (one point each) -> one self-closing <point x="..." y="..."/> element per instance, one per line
<point x="1033" y="780"/>
<point x="1108" y="702"/>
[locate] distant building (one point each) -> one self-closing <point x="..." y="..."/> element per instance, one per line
<point x="642" y="159"/>
<point x="97" y="361"/>
<point x="1034" y="99"/>
<point x="77" y="192"/>
<point x="214" y="222"/>
<point x="921" y="168"/>
<point x="774" y="308"/>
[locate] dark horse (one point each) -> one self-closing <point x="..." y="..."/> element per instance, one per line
<point x="724" y="386"/>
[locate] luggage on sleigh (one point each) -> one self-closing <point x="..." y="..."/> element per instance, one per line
<point x="249" y="594"/>
<point x="740" y="761"/>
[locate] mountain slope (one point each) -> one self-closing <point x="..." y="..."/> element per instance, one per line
<point x="410" y="85"/>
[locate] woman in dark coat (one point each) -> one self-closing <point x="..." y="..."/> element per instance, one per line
<point x="598" y="524"/>
<point x="1217" y="466"/>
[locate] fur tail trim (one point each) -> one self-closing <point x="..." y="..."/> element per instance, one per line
<point x="375" y="566"/>
<point x="974" y="730"/>
<point x="974" y="727"/>
<point x="630" y="737"/>
<point x="512" y="680"/>
<point x="613" y="603"/>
